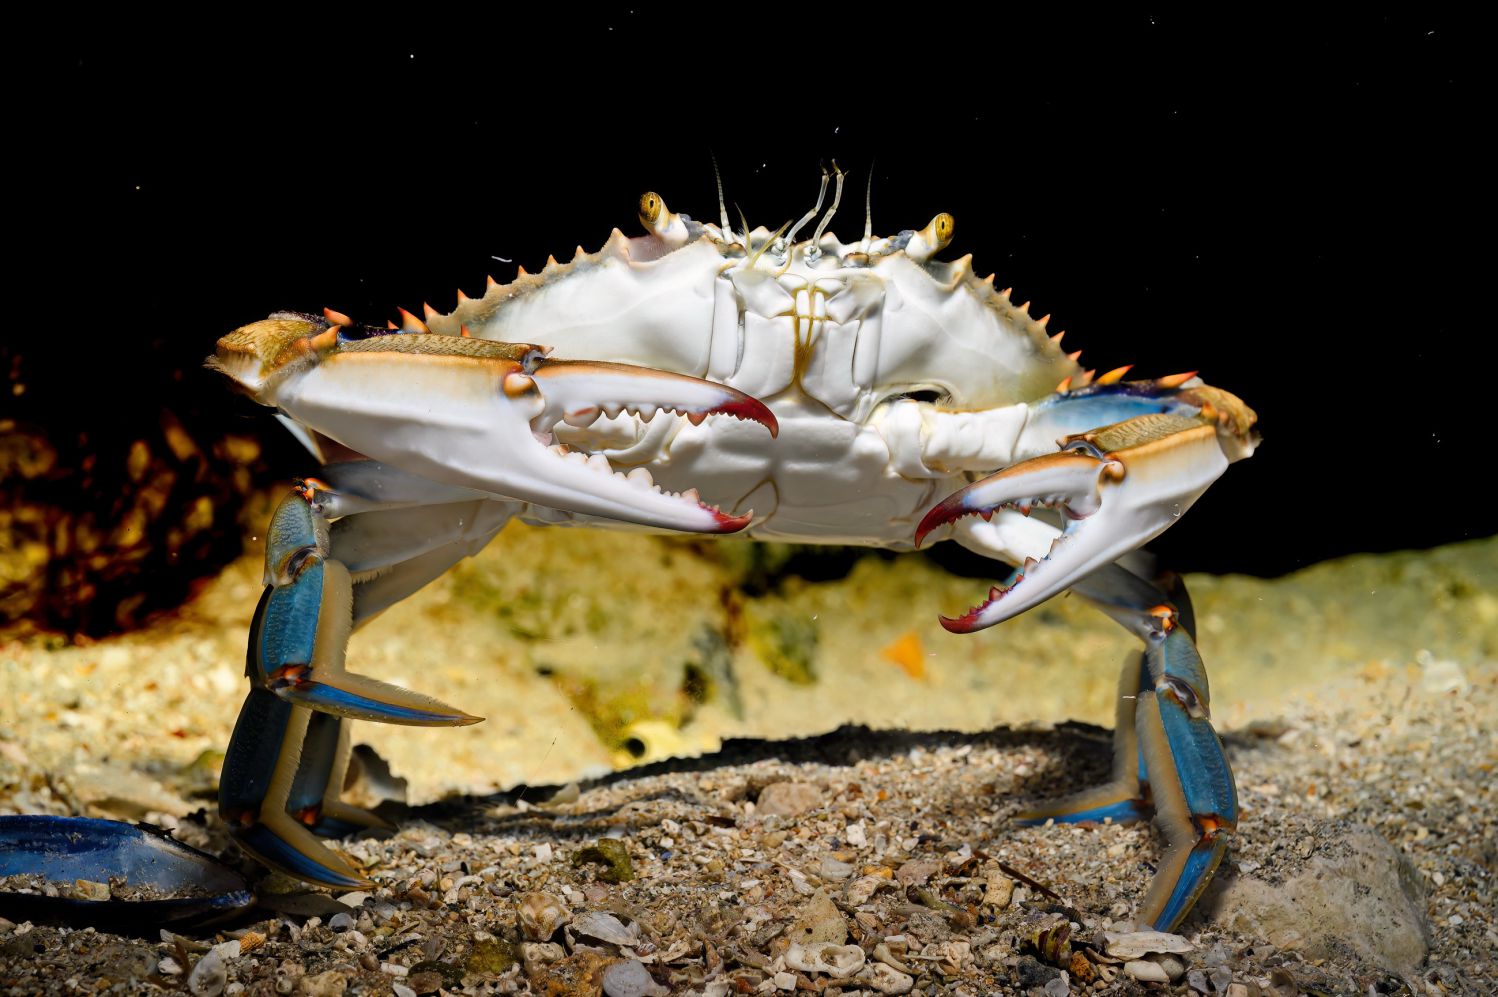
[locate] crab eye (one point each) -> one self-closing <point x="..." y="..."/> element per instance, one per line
<point x="651" y="206"/>
<point x="931" y="396"/>
<point x="532" y="360"/>
<point x="942" y="225"/>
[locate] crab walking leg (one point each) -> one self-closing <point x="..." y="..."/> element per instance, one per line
<point x="1125" y="797"/>
<point x="260" y="773"/>
<point x="301" y="636"/>
<point x="314" y="798"/>
<point x="1138" y="606"/>
<point x="1196" y="800"/>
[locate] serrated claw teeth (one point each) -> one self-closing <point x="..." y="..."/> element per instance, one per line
<point x="599" y="462"/>
<point x="640" y="477"/>
<point x="582" y="418"/>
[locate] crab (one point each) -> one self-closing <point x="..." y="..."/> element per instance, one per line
<point x="714" y="380"/>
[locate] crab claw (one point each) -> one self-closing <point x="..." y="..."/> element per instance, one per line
<point x="1116" y="489"/>
<point x="478" y="414"/>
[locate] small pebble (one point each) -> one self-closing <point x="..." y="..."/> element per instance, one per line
<point x="999" y="890"/>
<point x="401" y="990"/>
<point x="541" y="914"/>
<point x="1057" y="987"/>
<point x="1174" y="968"/>
<point x="341" y="922"/>
<point x="1197" y="980"/>
<point x="788" y="799"/>
<point x="785" y="981"/>
<point x="819" y="921"/>
<point x="1146" y="971"/>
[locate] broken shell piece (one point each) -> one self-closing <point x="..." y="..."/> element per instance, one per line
<point x="862" y="889"/>
<point x="885" y="980"/>
<point x="1138" y="944"/>
<point x="605" y="927"/>
<point x="840" y="961"/>
<point x="883" y="954"/>
<point x="541" y="914"/>
<point x="631" y="979"/>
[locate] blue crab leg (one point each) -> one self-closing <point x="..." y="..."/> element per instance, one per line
<point x="1125" y="797"/>
<point x="301" y="634"/>
<point x="314" y="798"/>
<point x="255" y="789"/>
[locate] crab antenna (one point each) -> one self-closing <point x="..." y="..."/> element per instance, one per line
<point x="868" y="210"/>
<point x="722" y="205"/>
<point x="837" y="198"/>
<point x="756" y="254"/>
<point x="821" y="193"/>
<point x="744" y="221"/>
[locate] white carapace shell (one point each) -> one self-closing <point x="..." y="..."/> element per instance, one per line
<point x="835" y="338"/>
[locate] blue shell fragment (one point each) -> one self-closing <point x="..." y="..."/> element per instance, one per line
<point x="64" y="849"/>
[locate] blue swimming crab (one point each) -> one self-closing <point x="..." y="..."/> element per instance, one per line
<point x="715" y="380"/>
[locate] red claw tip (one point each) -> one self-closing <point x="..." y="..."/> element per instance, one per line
<point x="728" y="523"/>
<point x="963" y="624"/>
<point x="751" y="409"/>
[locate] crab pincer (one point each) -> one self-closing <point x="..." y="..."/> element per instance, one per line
<point x="479" y="414"/>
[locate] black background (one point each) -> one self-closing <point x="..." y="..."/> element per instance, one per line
<point x="1288" y="205"/>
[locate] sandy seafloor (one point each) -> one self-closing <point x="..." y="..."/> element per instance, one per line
<point x="1358" y="700"/>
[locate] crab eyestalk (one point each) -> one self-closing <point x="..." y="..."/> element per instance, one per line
<point x="480" y="414"/>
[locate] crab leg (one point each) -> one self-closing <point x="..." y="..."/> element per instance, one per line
<point x="1115" y="489"/>
<point x="286" y="763"/>
<point x="260" y="776"/>
<point x="302" y="633"/>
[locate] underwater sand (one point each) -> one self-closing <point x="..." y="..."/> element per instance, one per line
<point x="1362" y="692"/>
